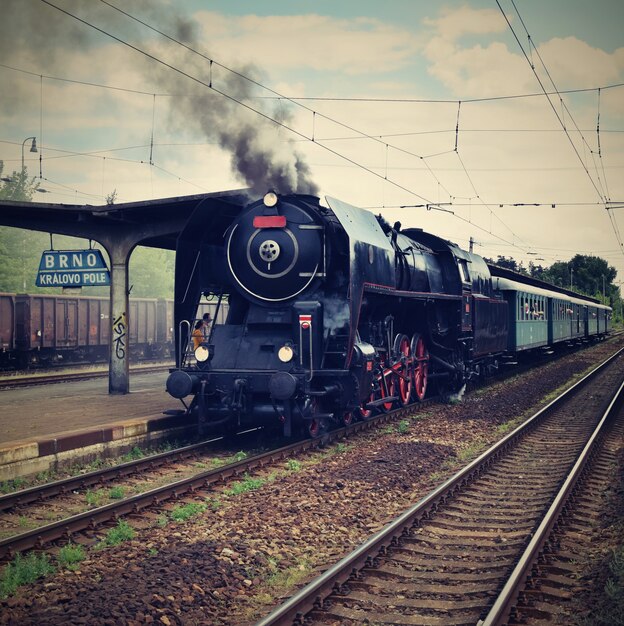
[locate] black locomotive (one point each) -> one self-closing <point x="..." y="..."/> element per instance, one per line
<point x="334" y="314"/>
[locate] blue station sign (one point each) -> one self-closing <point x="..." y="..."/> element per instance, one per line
<point x="72" y="268"/>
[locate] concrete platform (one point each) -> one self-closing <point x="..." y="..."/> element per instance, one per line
<point x="52" y="426"/>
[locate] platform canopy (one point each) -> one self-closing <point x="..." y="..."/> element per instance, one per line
<point x="154" y="223"/>
<point x="119" y="228"/>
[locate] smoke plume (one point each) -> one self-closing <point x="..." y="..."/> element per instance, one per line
<point x="257" y="146"/>
<point x="40" y="38"/>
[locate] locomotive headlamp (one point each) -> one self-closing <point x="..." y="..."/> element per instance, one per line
<point x="285" y="354"/>
<point x="270" y="199"/>
<point x="202" y="353"/>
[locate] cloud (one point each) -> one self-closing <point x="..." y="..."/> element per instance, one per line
<point x="483" y="70"/>
<point x="573" y="62"/>
<point x="319" y="42"/>
<point x="455" y="23"/>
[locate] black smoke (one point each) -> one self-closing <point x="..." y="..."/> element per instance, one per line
<point x="40" y="38"/>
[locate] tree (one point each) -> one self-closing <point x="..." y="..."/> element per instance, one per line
<point x="151" y="272"/>
<point x="588" y="274"/>
<point x="20" y="249"/>
<point x="508" y="263"/>
<point x="17" y="186"/>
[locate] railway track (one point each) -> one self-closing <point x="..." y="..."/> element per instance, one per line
<point x="9" y="382"/>
<point x="554" y="574"/>
<point x="16" y="503"/>
<point x="64" y="528"/>
<point x="446" y="559"/>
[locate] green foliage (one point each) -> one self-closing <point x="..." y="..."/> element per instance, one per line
<point x="508" y="263"/>
<point x="95" y="498"/>
<point x="9" y="486"/>
<point x="122" y="532"/>
<point x="293" y="465"/>
<point x="214" y="503"/>
<point x="70" y="555"/>
<point x="340" y="448"/>
<point x="116" y="493"/>
<point x="280" y="579"/>
<point x="611" y="607"/>
<point x="184" y="512"/>
<point x="583" y="273"/>
<point x="151" y="273"/>
<point x="22" y="571"/>
<point x="248" y="484"/>
<point x="403" y="427"/>
<point x="134" y="455"/>
<point x="151" y="270"/>
<point x="20" y="187"/>
<point x="24" y="522"/>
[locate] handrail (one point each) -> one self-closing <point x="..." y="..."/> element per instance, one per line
<point x="180" y="355"/>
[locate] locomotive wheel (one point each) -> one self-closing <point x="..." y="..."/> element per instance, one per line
<point x="348" y="418"/>
<point x="389" y="390"/>
<point x="405" y="374"/>
<point x="364" y="413"/>
<point x="421" y="365"/>
<point x="317" y="427"/>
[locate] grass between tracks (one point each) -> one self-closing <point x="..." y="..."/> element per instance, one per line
<point x="24" y="570"/>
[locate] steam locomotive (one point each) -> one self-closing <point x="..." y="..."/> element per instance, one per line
<point x="334" y="315"/>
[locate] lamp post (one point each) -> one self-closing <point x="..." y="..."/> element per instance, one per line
<point x="33" y="148"/>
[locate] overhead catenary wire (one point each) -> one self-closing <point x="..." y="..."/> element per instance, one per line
<point x="225" y="95"/>
<point x="545" y="92"/>
<point x="314" y="113"/>
<point x="308" y="139"/>
<point x="601" y="193"/>
<point x="292" y="98"/>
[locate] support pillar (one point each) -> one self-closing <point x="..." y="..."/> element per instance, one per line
<point x="119" y="371"/>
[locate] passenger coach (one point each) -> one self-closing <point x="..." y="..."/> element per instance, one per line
<point x="541" y="317"/>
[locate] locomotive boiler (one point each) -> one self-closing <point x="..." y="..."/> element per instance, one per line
<point x="333" y="315"/>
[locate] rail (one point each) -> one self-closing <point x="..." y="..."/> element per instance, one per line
<point x="37" y="537"/>
<point x="506" y="600"/>
<point x="314" y="594"/>
<point x="46" y="379"/>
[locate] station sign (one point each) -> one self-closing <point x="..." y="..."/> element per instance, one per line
<point x="72" y="268"/>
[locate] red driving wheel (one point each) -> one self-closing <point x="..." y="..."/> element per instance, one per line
<point x="420" y="356"/>
<point x="405" y="371"/>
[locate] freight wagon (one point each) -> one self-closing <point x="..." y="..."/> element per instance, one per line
<point x="40" y="330"/>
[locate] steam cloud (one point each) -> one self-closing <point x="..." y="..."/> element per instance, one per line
<point x="336" y="314"/>
<point x="38" y="37"/>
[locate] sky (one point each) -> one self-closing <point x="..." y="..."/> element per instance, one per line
<point x="431" y="113"/>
